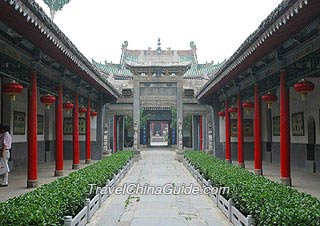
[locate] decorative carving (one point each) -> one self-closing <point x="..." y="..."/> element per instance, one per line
<point x="180" y="135"/>
<point x="135" y="136"/>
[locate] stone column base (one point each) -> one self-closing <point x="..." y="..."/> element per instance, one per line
<point x="286" y="181"/>
<point x="136" y="155"/>
<point x="258" y="172"/>
<point x="75" y="166"/>
<point x="228" y="161"/>
<point x="179" y="155"/>
<point x="241" y="165"/>
<point x="32" y="183"/>
<point x="58" y="173"/>
<point x="87" y="161"/>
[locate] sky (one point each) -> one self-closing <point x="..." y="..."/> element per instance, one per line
<point x="99" y="27"/>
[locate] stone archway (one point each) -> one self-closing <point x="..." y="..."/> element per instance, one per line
<point x="311" y="144"/>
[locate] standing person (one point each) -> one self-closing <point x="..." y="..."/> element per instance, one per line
<point x="5" y="146"/>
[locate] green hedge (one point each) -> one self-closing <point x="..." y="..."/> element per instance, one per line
<point x="48" y="204"/>
<point x="269" y="202"/>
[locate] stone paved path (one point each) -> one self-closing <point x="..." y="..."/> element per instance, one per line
<point x="158" y="167"/>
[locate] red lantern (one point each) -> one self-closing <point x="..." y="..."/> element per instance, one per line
<point x="94" y="114"/>
<point x="233" y="110"/>
<point x="303" y="87"/>
<point x="269" y="98"/>
<point x="12" y="89"/>
<point x="247" y="106"/>
<point x="221" y="114"/>
<point x="82" y="110"/>
<point x="47" y="100"/>
<point x="68" y="106"/>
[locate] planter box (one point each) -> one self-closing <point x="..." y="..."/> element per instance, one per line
<point x="80" y="219"/>
<point x="225" y="206"/>
<point x="93" y="205"/>
<point x="238" y="219"/>
<point x="214" y="196"/>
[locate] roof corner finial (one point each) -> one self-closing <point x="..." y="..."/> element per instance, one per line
<point x="159" y="45"/>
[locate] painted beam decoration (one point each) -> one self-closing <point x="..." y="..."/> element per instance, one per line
<point x="298" y="124"/>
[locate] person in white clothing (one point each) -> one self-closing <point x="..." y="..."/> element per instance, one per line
<point x="5" y="147"/>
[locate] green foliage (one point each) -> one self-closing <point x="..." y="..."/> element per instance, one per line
<point x="128" y="122"/>
<point x="269" y="202"/>
<point x="187" y="121"/>
<point x="174" y="117"/>
<point x="65" y="196"/>
<point x="143" y="118"/>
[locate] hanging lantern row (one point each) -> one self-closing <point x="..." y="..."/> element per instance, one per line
<point x="48" y="100"/>
<point x="303" y="87"/>
<point x="221" y="114"/>
<point x="68" y="106"/>
<point x="82" y="110"/>
<point x="247" y="106"/>
<point x="269" y="98"/>
<point x="233" y="110"/>
<point x="12" y="89"/>
<point x="94" y="114"/>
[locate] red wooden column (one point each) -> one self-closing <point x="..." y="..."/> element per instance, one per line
<point x="75" y="134"/>
<point x="32" y="181"/>
<point x="257" y="132"/>
<point x="240" y="133"/>
<point x="88" y="137"/>
<point x="59" y="135"/>
<point x="114" y="134"/>
<point x="201" y="133"/>
<point x="228" y="147"/>
<point x="285" y="176"/>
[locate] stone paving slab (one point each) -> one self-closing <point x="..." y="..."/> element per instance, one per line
<point x="158" y="167"/>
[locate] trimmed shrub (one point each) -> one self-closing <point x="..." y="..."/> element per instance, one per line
<point x="269" y="202"/>
<point x="65" y="196"/>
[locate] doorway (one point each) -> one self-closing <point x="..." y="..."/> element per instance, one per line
<point x="158" y="133"/>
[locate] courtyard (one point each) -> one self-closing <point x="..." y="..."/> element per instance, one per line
<point x="159" y="115"/>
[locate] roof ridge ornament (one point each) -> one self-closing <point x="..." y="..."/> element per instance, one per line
<point x="159" y="46"/>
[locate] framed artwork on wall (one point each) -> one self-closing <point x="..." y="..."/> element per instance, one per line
<point x="276" y="126"/>
<point x="233" y="128"/>
<point x="19" y="123"/>
<point x="248" y="128"/>
<point x="82" y="126"/>
<point x="68" y="126"/>
<point x="298" y="124"/>
<point x="40" y="124"/>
